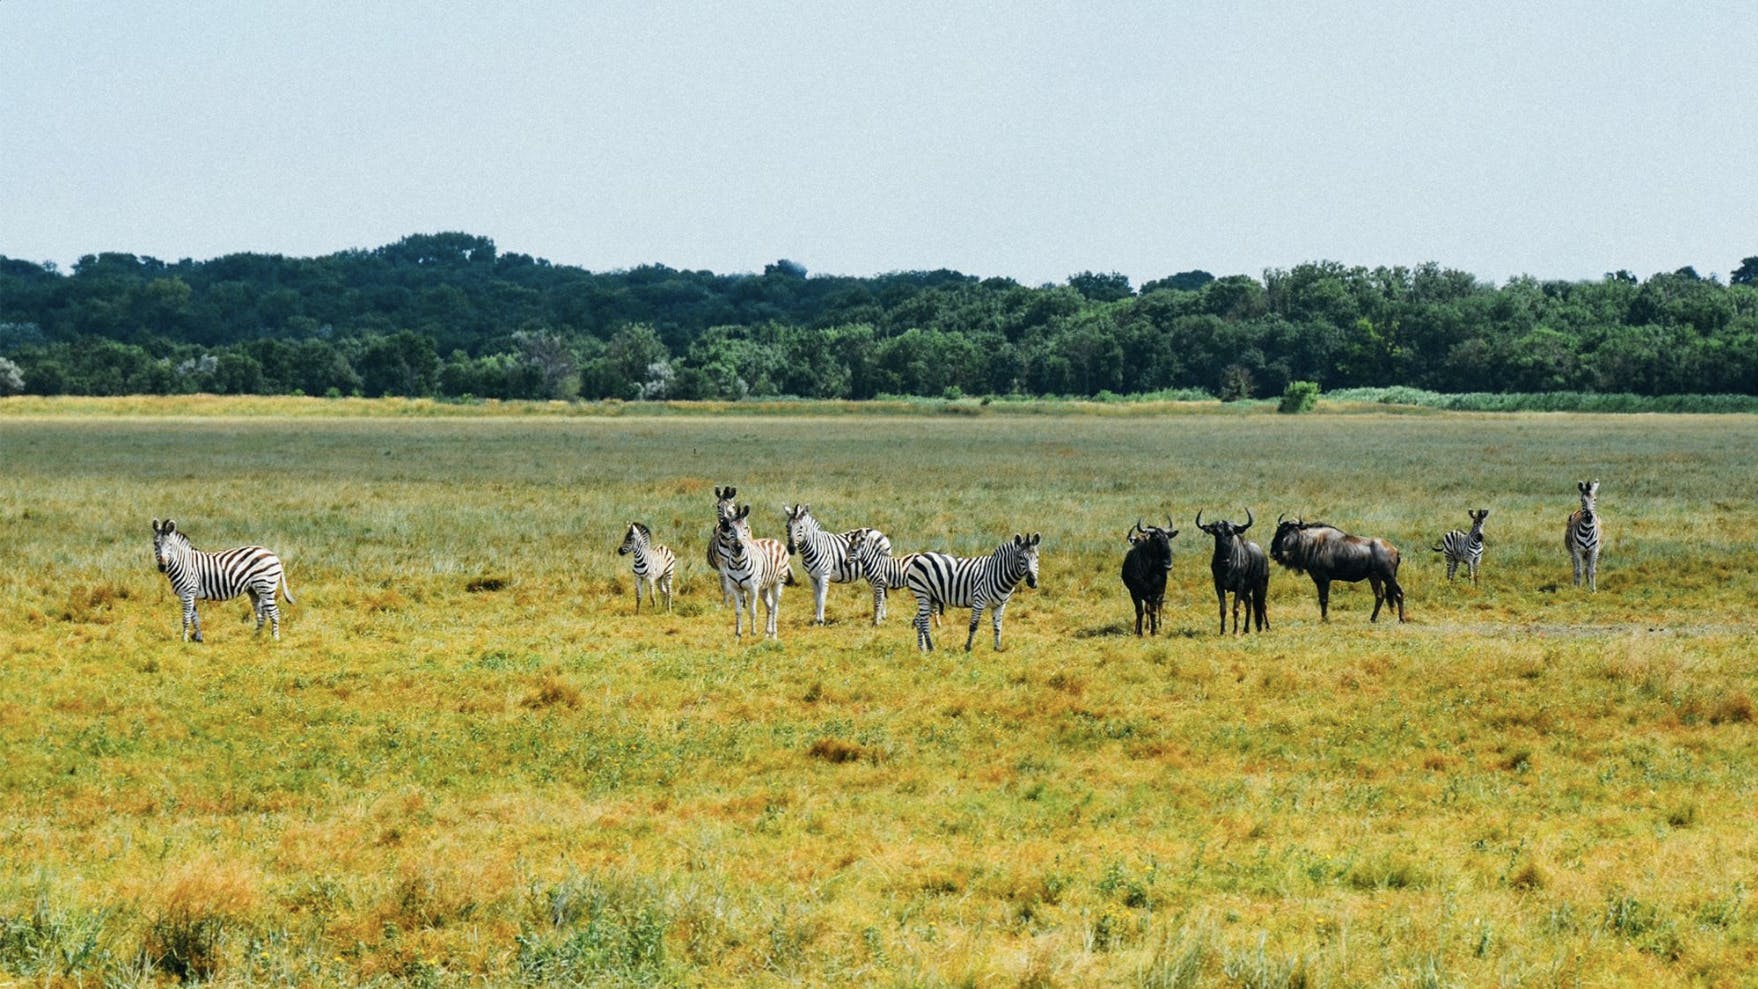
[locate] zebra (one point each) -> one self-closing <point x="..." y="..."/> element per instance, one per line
<point x="1465" y="547"/>
<point x="220" y="576"/>
<point x="1582" y="536"/>
<point x="983" y="581"/>
<point x="755" y="567"/>
<point x="723" y="507"/>
<point x="885" y="572"/>
<point x="654" y="564"/>
<point x="828" y="557"/>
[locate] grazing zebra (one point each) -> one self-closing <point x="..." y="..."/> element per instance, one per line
<point x="1465" y="547"/>
<point x="755" y="567"/>
<point x="828" y="557"/>
<point x="723" y="507"/>
<point x="220" y="576"/>
<point x="1582" y="536"/>
<point x="654" y="564"/>
<point x="979" y="582"/>
<point x="885" y="572"/>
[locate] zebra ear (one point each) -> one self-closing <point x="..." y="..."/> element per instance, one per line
<point x="1037" y="537"/>
<point x="155" y="526"/>
<point x="170" y="526"/>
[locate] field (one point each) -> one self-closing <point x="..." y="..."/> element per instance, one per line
<point x="469" y="762"/>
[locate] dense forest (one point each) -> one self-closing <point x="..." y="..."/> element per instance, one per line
<point x="448" y="315"/>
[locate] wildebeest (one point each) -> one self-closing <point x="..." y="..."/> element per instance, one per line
<point x="1328" y="553"/>
<point x="1241" y="567"/>
<point x="1144" y="570"/>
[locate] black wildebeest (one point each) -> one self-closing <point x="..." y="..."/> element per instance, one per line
<point x="1241" y="567"/>
<point x="1144" y="570"/>
<point x="1328" y="553"/>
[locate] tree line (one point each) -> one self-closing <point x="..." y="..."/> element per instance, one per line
<point x="448" y="315"/>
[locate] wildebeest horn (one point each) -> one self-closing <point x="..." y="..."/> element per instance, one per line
<point x="1248" y="519"/>
<point x="1199" y="518"/>
<point x="1280" y="519"/>
<point x="1138" y="526"/>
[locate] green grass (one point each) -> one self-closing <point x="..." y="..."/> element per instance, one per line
<point x="426" y="784"/>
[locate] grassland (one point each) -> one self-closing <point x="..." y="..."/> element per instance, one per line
<point x="469" y="763"/>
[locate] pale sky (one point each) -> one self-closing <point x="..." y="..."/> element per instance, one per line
<point x="1029" y="140"/>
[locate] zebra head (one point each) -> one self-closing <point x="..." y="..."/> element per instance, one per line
<point x="735" y="526"/>
<point x="1589" y="494"/>
<point x="1024" y="550"/>
<point x="637" y="537"/>
<point x="800" y="524"/>
<point x="1477" y="517"/>
<point x="723" y="502"/>
<point x="166" y="539"/>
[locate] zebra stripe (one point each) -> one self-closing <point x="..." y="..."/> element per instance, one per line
<point x="885" y="572"/>
<point x="1582" y="536"/>
<point x="755" y="567"/>
<point x="828" y="557"/>
<point x="979" y="582"/>
<point x="1465" y="547"/>
<point x="654" y="564"/>
<point x="221" y="576"/>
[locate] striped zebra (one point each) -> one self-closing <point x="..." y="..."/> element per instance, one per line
<point x="755" y="567"/>
<point x="723" y="507"/>
<point x="220" y="576"/>
<point x="885" y="572"/>
<point x="828" y="557"/>
<point x="654" y="564"/>
<point x="1582" y="536"/>
<point x="979" y="582"/>
<point x="1465" y="547"/>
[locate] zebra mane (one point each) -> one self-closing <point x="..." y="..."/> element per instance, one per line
<point x="645" y="532"/>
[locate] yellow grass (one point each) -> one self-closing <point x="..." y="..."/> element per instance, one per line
<point x="470" y="762"/>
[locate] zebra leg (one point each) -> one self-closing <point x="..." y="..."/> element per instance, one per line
<point x="1593" y="570"/>
<point x="995" y="619"/>
<point x="1452" y="568"/>
<point x="976" y="619"/>
<point x="924" y="641"/>
<point x="666" y="586"/>
<point x="820" y="590"/>
<point x="191" y="619"/>
<point x="1575" y="558"/>
<point x="273" y="612"/>
<point x="773" y="601"/>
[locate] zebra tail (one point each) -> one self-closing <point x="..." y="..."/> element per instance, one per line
<point x="287" y="592"/>
<point x="1437" y="548"/>
<point x="788" y="576"/>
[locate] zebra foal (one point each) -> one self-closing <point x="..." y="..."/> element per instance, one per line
<point x="653" y="564"/>
<point x="1582" y="535"/>
<point x="885" y="572"/>
<point x="220" y="576"/>
<point x="1465" y="547"/>
<point x="977" y="582"/>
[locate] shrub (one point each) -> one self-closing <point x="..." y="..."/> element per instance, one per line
<point x="1298" y="397"/>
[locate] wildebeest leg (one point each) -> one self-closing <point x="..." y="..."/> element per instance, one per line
<point x="1379" y="597"/>
<point x="1236" y="597"/>
<point x="1324" y="599"/>
<point x="1396" y="591"/>
<point x="1153" y="617"/>
<point x="1222" y="594"/>
<point x="1138" y="615"/>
